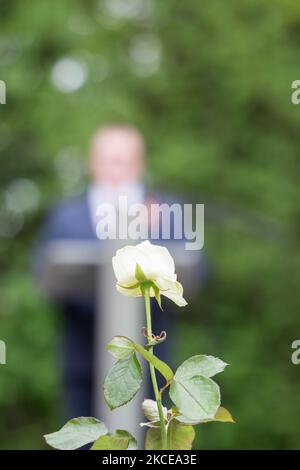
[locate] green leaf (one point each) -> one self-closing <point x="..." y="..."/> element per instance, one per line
<point x="121" y="347"/>
<point x="207" y="366"/>
<point x="180" y="437"/>
<point x="121" y="440"/>
<point x="195" y="397"/>
<point x="110" y="442"/>
<point x="153" y="439"/>
<point x="132" y="441"/>
<point x="122" y="382"/>
<point x="139" y="275"/>
<point x="76" y="433"/>
<point x="222" y="416"/>
<point x="161" y="366"/>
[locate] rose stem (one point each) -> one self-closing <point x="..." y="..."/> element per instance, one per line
<point x="152" y="371"/>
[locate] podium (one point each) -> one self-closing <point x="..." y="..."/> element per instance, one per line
<point x="75" y="270"/>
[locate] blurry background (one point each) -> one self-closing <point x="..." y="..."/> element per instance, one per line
<point x="209" y="85"/>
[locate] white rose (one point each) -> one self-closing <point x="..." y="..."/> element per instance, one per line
<point x="151" y="412"/>
<point x="156" y="264"/>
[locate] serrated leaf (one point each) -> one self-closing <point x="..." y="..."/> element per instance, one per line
<point x="122" y="382"/>
<point x="222" y="416"/>
<point x="76" y="433"/>
<point x="121" y="347"/>
<point x="121" y="440"/>
<point x="207" y="366"/>
<point x="161" y="366"/>
<point x="180" y="437"/>
<point x="195" y="397"/>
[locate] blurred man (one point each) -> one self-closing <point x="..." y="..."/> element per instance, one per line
<point x="116" y="167"/>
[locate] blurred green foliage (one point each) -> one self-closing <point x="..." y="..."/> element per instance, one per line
<point x="209" y="84"/>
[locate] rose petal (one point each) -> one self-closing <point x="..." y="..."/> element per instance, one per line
<point x="161" y="262"/>
<point x="173" y="290"/>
